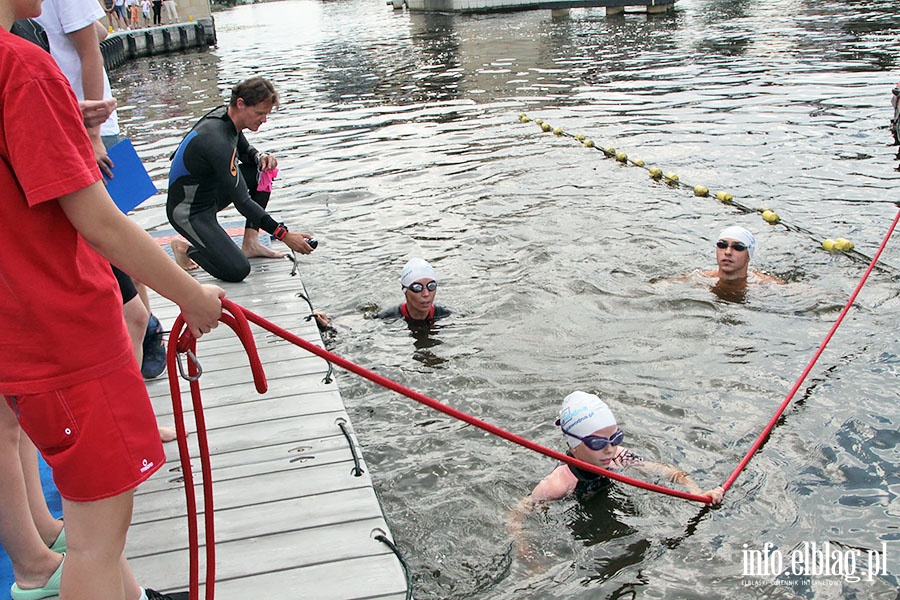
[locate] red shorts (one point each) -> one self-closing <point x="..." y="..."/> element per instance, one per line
<point x="99" y="437"/>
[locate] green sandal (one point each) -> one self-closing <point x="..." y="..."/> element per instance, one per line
<point x="50" y="589"/>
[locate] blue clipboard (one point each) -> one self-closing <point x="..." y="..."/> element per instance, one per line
<point x="130" y="184"/>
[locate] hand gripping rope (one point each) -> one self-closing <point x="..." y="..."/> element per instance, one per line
<point x="238" y="318"/>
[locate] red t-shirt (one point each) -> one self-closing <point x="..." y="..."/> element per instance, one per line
<point x="61" y="317"/>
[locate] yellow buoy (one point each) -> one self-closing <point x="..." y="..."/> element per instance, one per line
<point x="828" y="244"/>
<point x="546" y="126"/>
<point x="655" y="172"/>
<point x="671" y="177"/>
<point x="637" y="162"/>
<point x="589" y="143"/>
<point x="621" y="157"/>
<point x="724" y="197"/>
<point x="843" y="244"/>
<point x="770" y="217"/>
<point x="700" y="190"/>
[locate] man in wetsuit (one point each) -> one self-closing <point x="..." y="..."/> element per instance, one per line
<point x="212" y="169"/>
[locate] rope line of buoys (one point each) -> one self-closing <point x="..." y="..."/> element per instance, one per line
<point x="835" y="244"/>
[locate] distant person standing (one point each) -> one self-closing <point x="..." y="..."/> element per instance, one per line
<point x="146" y="7"/>
<point x="157" y="12"/>
<point x="171" y="11"/>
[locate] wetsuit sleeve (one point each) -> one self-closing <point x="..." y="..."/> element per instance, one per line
<point x="247" y="153"/>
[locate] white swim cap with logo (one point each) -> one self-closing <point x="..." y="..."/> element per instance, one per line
<point x="416" y="269"/>
<point x="583" y="414"/>
<point x="736" y="232"/>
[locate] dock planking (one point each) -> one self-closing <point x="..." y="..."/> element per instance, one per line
<point x="293" y="518"/>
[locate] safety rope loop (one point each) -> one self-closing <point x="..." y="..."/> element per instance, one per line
<point x="357" y="469"/>
<point x="238" y="322"/>
<point x="787" y="400"/>
<point x="406" y="571"/>
<point x="183" y="452"/>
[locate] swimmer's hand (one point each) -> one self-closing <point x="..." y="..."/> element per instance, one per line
<point x="297" y="242"/>
<point x="321" y="318"/>
<point x="716" y="494"/>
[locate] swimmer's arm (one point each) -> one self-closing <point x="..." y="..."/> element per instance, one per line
<point x="766" y="278"/>
<point x="681" y="478"/>
<point x="122" y="242"/>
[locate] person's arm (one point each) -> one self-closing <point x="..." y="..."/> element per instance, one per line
<point x="96" y="112"/>
<point x="681" y="478"/>
<point x="121" y="241"/>
<point x="218" y="161"/>
<point x="88" y="48"/>
<point x="250" y="155"/>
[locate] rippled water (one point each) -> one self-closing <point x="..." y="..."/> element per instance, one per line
<point x="398" y="136"/>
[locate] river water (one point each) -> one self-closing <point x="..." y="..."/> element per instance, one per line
<point x="399" y="136"/>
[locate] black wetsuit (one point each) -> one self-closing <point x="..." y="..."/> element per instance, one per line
<point x="437" y="312"/>
<point x="589" y="483"/>
<point x="211" y="169"/>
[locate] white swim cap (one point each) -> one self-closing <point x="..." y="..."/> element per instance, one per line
<point x="416" y="269"/>
<point x="736" y="232"/>
<point x="583" y="414"/>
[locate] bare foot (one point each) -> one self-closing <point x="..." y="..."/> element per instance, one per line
<point x="253" y="249"/>
<point x="167" y="434"/>
<point x="180" y="250"/>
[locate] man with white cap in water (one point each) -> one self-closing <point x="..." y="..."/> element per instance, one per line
<point x="418" y="281"/>
<point x="734" y="249"/>
<point x="593" y="436"/>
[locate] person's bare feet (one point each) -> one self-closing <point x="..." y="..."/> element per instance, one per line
<point x="180" y="250"/>
<point x="167" y="434"/>
<point x="253" y="249"/>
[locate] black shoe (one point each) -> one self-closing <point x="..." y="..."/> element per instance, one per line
<point x="154" y="362"/>
<point x="154" y="595"/>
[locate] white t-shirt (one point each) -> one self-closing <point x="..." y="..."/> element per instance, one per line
<point x="60" y="17"/>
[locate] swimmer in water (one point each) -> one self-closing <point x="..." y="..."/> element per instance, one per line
<point x="593" y="436"/>
<point x="418" y="281"/>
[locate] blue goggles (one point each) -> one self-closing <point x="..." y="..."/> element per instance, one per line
<point x="595" y="442"/>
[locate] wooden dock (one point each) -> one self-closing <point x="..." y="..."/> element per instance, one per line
<point x="294" y="519"/>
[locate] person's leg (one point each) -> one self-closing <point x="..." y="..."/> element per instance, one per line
<point x="33" y="562"/>
<point x="250" y="245"/>
<point x="48" y="526"/>
<point x="95" y="532"/>
<point x="212" y="248"/>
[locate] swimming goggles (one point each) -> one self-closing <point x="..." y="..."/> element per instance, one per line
<point x="417" y="287"/>
<point x="595" y="442"/>
<point x="736" y="246"/>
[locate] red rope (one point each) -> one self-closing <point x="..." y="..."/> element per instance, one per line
<point x="787" y="400"/>
<point x="181" y="341"/>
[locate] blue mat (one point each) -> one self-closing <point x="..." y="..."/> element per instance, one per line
<point x="55" y="504"/>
